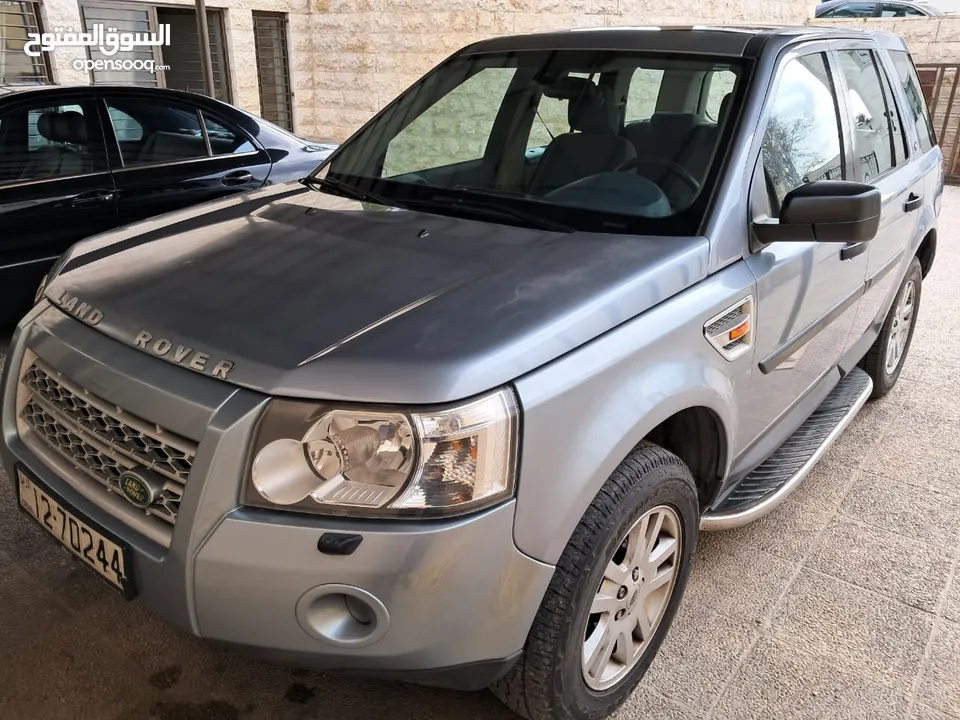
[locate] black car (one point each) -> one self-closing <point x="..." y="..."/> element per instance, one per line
<point x="77" y="161"/>
<point x="863" y="9"/>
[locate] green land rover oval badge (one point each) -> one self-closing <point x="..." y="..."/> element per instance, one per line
<point x="136" y="489"/>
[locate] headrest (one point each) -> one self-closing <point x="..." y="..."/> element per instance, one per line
<point x="724" y="108"/>
<point x="65" y="127"/>
<point x="594" y="111"/>
<point x="590" y="108"/>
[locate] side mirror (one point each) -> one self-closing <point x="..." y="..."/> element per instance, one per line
<point x="825" y="211"/>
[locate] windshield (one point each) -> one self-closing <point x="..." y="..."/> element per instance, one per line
<point x="597" y="140"/>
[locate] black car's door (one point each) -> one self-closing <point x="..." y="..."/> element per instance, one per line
<point x="168" y="154"/>
<point x="55" y="188"/>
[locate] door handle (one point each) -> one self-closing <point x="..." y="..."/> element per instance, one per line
<point x="913" y="202"/>
<point x="848" y="252"/>
<point x="239" y="177"/>
<point x="92" y="197"/>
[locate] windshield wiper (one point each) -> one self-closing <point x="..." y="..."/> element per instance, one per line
<point x="491" y="209"/>
<point x="338" y="187"/>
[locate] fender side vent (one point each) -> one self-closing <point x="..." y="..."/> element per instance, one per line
<point x="731" y="331"/>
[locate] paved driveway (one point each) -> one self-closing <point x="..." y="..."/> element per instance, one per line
<point x="843" y="604"/>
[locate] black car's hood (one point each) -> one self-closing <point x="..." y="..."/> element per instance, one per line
<point x="299" y="293"/>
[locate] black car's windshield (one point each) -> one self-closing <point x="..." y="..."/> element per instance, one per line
<point x="608" y="141"/>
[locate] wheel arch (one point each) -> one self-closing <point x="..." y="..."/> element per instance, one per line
<point x="927" y="251"/>
<point x="543" y="526"/>
<point x="697" y="436"/>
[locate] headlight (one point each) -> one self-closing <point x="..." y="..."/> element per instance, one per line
<point x="375" y="463"/>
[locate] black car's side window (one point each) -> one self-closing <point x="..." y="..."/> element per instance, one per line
<point x="898" y="10"/>
<point x="802" y="143"/>
<point x="223" y="140"/>
<point x="50" y="140"/>
<point x="920" y="115"/>
<point x="852" y="10"/>
<point x="151" y="132"/>
<point x="873" y="115"/>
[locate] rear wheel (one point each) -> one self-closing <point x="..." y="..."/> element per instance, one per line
<point x="885" y="359"/>
<point x="613" y="595"/>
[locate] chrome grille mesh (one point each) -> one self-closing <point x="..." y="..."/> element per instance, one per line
<point x="103" y="442"/>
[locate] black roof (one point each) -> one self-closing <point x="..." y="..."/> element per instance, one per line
<point x="737" y="41"/>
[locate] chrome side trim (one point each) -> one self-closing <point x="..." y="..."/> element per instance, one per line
<point x="710" y="522"/>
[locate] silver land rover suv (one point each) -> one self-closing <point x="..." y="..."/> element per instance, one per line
<point x="455" y="409"/>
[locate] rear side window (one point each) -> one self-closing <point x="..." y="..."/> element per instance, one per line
<point x="870" y="110"/>
<point x="917" y="108"/>
<point x="851" y="10"/>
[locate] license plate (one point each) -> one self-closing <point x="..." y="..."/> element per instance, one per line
<point x="107" y="556"/>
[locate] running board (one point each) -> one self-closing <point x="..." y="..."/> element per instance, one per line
<point x="778" y="476"/>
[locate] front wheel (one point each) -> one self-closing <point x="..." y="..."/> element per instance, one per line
<point x="613" y="596"/>
<point x="884" y="360"/>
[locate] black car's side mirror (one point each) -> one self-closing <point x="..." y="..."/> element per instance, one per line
<point x="825" y="211"/>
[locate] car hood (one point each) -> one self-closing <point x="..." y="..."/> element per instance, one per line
<point x="299" y="293"/>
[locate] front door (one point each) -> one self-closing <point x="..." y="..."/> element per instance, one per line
<point x="55" y="189"/>
<point x="807" y="292"/>
<point x="169" y="155"/>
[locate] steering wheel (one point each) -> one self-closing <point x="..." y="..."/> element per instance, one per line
<point x="673" y="167"/>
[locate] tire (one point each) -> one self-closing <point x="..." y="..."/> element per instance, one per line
<point x="549" y="681"/>
<point x="879" y="360"/>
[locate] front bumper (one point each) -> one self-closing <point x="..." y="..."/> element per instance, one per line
<point x="443" y="602"/>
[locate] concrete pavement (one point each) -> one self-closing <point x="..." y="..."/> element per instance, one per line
<point x="843" y="604"/>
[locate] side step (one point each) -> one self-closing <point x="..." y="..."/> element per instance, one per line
<point x="778" y="476"/>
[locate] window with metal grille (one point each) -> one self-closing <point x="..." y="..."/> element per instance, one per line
<point x="183" y="53"/>
<point x="126" y="18"/>
<point x="273" y="68"/>
<point x="17" y="21"/>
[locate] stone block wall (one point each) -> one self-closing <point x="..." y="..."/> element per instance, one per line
<point x="355" y="56"/>
<point x="349" y="58"/>
<point x="935" y="46"/>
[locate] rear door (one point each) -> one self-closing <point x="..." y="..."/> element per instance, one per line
<point x="883" y="159"/>
<point x="168" y="154"/>
<point x="55" y="188"/>
<point x="807" y="292"/>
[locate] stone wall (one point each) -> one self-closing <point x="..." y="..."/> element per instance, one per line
<point x="933" y="42"/>
<point x="359" y="54"/>
<point x="349" y="58"/>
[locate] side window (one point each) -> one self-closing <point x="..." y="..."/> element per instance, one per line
<point x="126" y="128"/>
<point x="151" y="132"/>
<point x="48" y="141"/>
<point x="852" y="10"/>
<point x="453" y="130"/>
<point x="643" y="94"/>
<point x="870" y="114"/>
<point x="801" y="143"/>
<point x="919" y="114"/>
<point x="900" y="11"/>
<point x="223" y="140"/>
<point x="894" y="115"/>
<point x="721" y="85"/>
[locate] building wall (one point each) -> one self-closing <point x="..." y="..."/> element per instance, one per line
<point x="931" y="40"/>
<point x="349" y="58"/>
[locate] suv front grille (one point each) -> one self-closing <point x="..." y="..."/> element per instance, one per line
<point x="102" y="440"/>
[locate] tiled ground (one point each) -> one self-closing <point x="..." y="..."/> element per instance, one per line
<point x="842" y="605"/>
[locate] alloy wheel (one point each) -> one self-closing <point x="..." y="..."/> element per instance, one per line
<point x="900" y="329"/>
<point x="633" y="596"/>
